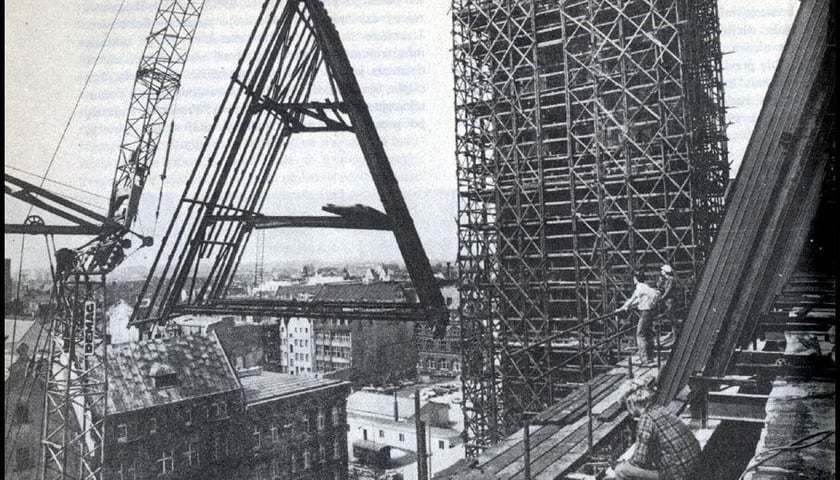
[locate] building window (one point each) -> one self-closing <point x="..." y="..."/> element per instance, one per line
<point x="402" y="437"/>
<point x="293" y="463"/>
<point x="22" y="413"/>
<point x="382" y="434"/>
<point x="336" y="416"/>
<point x="322" y="453"/>
<point x="217" y="410"/>
<point x="153" y="426"/>
<point x="122" y="433"/>
<point x="166" y="462"/>
<point x="321" y="419"/>
<point x="220" y="448"/>
<point x="305" y="423"/>
<point x="191" y="455"/>
<point x="275" y="436"/>
<point x="441" y="445"/>
<point x="127" y="470"/>
<point x="337" y="449"/>
<point x="22" y="459"/>
<point x="307" y="460"/>
<point x="256" y="435"/>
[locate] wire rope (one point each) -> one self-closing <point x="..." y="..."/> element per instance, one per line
<point x="79" y="99"/>
<point x="55" y="182"/>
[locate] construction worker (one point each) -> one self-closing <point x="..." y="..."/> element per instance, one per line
<point x="644" y="298"/>
<point x="667" y="286"/>
<point x="665" y="447"/>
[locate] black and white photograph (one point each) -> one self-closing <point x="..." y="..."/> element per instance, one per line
<point x="420" y="240"/>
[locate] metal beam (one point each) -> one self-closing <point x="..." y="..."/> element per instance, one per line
<point x="357" y="217"/>
<point x="411" y="312"/>
<point x="17" y="228"/>
<point x="743" y="407"/>
<point x="411" y="248"/>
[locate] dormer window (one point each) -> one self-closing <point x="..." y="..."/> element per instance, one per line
<point x="163" y="376"/>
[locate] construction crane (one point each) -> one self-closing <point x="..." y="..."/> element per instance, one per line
<point x="75" y="405"/>
<point x="212" y="223"/>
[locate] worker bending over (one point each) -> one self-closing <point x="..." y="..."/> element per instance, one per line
<point x="665" y="447"/>
<point x="644" y="298"/>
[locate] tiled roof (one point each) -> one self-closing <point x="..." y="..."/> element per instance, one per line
<point x="362" y="292"/>
<point x="199" y="363"/>
<point x="269" y="385"/>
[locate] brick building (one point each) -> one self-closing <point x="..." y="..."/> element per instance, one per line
<point x="297" y="348"/>
<point x="362" y="351"/>
<point x="173" y="405"/>
<point x="23" y="418"/>
<point x="441" y="358"/>
<point x="178" y="409"/>
<point x="296" y="427"/>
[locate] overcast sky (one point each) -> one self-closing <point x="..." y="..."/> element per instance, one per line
<point x="401" y="52"/>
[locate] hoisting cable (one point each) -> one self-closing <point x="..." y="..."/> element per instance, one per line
<point x="78" y="100"/>
<point x="42" y="177"/>
<point x="163" y="174"/>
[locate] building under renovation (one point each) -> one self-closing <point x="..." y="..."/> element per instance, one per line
<point x="590" y="143"/>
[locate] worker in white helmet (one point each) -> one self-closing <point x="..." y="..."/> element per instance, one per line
<point x="667" y="286"/>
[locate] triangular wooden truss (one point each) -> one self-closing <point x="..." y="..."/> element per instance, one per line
<point x="292" y="47"/>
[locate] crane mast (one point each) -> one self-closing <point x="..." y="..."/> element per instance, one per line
<point x="75" y="405"/>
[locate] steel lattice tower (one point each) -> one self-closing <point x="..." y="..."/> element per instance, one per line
<point x="590" y="141"/>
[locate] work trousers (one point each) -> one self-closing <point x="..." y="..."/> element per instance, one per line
<point x="644" y="335"/>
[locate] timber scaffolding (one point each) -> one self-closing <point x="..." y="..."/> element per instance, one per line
<point x="590" y="142"/>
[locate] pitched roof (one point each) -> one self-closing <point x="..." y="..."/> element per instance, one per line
<point x="199" y="363"/>
<point x="270" y="385"/>
<point x="362" y="292"/>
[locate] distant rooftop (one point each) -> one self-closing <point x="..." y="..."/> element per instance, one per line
<point x="271" y="385"/>
<point x="362" y="292"/>
<point x="197" y="321"/>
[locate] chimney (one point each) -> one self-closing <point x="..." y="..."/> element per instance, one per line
<point x="448" y="270"/>
<point x="396" y="408"/>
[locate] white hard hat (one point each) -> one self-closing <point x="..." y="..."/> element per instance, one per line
<point x="667" y="269"/>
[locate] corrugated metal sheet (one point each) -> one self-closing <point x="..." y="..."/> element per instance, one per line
<point x="773" y="201"/>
